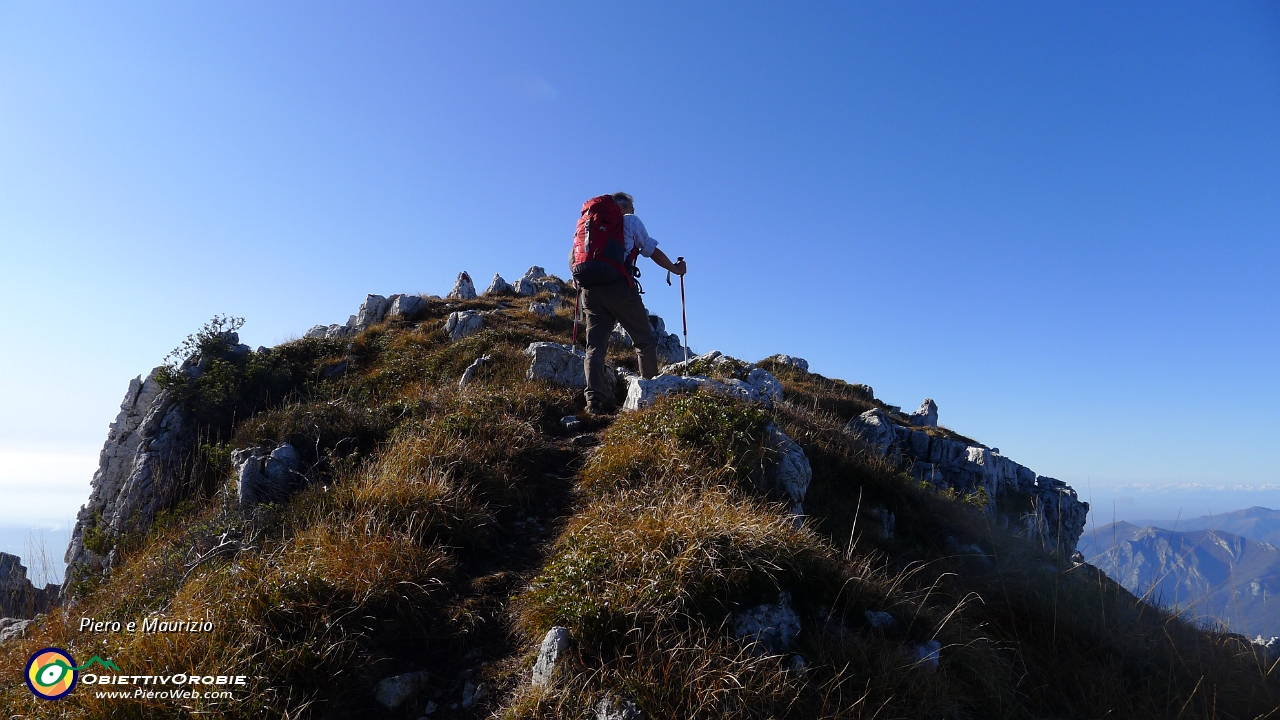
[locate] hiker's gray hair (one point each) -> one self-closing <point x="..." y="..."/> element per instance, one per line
<point x="624" y="199"/>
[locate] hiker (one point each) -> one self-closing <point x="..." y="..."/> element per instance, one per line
<point x="609" y="239"/>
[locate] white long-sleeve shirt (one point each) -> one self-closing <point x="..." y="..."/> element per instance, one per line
<point x="634" y="235"/>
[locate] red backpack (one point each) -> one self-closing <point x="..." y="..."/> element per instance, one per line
<point x="599" y="250"/>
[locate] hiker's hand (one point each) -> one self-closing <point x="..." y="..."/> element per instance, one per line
<point x="679" y="268"/>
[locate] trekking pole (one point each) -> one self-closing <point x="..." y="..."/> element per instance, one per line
<point x="684" y="322"/>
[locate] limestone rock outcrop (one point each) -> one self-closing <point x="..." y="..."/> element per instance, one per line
<point x="670" y="349"/>
<point x="789" y="472"/>
<point x="11" y="628"/>
<point x="395" y="691"/>
<point x="534" y="281"/>
<point x="554" y="645"/>
<point x="19" y="599"/>
<point x="1054" y="516"/>
<point x="926" y="415"/>
<point x="146" y="447"/>
<point x="267" y="475"/>
<point x="498" y="286"/>
<point x="561" y="364"/>
<point x="795" y="362"/>
<point x="774" y="626"/>
<point x="374" y="309"/>
<point x="462" y="323"/>
<point x="754" y="385"/>
<point x="404" y="307"/>
<point x="610" y="708"/>
<point x="470" y="373"/>
<point x="463" y="288"/>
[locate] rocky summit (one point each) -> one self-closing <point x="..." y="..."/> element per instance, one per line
<point x="411" y="514"/>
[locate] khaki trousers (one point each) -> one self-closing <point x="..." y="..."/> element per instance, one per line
<point x="603" y="306"/>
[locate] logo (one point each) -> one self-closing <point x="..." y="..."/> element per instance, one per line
<point x="51" y="673"/>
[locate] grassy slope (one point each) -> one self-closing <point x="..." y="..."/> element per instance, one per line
<point x="447" y="530"/>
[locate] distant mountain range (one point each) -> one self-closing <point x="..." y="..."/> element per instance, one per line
<point x="1256" y="523"/>
<point x="1225" y="566"/>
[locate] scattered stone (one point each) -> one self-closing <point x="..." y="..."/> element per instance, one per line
<point x="524" y="288"/>
<point x="586" y="440"/>
<point x="773" y="625"/>
<point x="11" y="627"/>
<point x="642" y="393"/>
<point x="470" y="373"/>
<point x="791" y="472"/>
<point x="1268" y="649"/>
<point x="880" y="620"/>
<point x="926" y="416"/>
<point x="571" y="422"/>
<point x="765" y="383"/>
<point x="393" y="692"/>
<point x="876" y="429"/>
<point x="561" y="364"/>
<point x="499" y="287"/>
<point x="471" y="694"/>
<point x="797" y="664"/>
<point x="463" y="288"/>
<point x="710" y="359"/>
<point x="926" y="655"/>
<point x="884" y="522"/>
<point x="789" y="361"/>
<point x="372" y="311"/>
<point x="554" y="645"/>
<point x="542" y="309"/>
<point x="404" y="307"/>
<point x="333" y="331"/>
<point x="611" y="709"/>
<point x="462" y="323"/>
<point x="431" y="708"/>
<point x="534" y="274"/>
<point x="620" y="336"/>
<point x="335" y="370"/>
<point x="267" y="476"/>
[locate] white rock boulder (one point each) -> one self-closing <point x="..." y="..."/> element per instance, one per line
<point x="790" y="472"/>
<point x="372" y="310"/>
<point x="554" y="645"/>
<point x="773" y="625"/>
<point x="463" y="288"/>
<point x="267" y="476"/>
<point x="926" y="416"/>
<point x="765" y="383"/>
<point x="470" y="373"/>
<point x="790" y="361"/>
<point x="404" y="307"/>
<point x="395" y="691"/>
<point x="498" y="286"/>
<point x="561" y="364"/>
<point x="462" y="323"/>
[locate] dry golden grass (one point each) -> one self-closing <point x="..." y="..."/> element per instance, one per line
<point x="446" y="529"/>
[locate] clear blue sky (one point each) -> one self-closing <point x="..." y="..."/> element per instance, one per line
<point x="1059" y="220"/>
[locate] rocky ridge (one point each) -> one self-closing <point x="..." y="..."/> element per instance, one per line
<point x="151" y="434"/>
<point x="19" y="598"/>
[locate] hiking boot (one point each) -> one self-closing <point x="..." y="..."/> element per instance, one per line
<point x="597" y="408"/>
